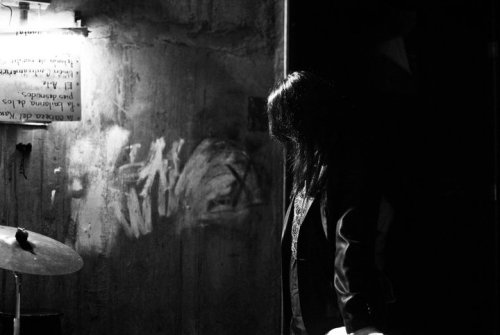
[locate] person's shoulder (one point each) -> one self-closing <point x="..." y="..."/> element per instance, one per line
<point x="348" y="188"/>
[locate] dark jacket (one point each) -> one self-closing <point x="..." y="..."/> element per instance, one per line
<point x="337" y="276"/>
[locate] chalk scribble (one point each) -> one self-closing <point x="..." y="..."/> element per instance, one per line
<point x="113" y="191"/>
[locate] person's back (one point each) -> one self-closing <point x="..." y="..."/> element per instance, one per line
<point x="328" y="242"/>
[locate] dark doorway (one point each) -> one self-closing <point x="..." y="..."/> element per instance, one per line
<point x="434" y="111"/>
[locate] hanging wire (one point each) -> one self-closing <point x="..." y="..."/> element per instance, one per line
<point x="10" y="8"/>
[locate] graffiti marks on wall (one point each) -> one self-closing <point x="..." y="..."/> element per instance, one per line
<point x="218" y="185"/>
<point x="112" y="190"/>
<point x="138" y="179"/>
<point x="108" y="197"/>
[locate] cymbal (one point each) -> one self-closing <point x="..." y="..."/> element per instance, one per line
<point x="32" y="253"/>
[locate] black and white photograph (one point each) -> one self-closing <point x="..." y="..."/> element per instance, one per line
<point x="249" y="167"/>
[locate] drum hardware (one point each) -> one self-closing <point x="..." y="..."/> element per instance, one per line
<point x="31" y="253"/>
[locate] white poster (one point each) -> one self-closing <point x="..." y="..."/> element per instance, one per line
<point x="40" y="76"/>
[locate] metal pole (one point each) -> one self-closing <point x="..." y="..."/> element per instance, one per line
<point x="17" y="318"/>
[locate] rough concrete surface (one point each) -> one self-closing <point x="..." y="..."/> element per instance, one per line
<point x="159" y="79"/>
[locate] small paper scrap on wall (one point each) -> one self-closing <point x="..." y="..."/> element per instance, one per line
<point x="40" y="76"/>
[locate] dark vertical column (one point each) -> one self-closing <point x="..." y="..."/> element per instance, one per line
<point x="438" y="142"/>
<point x="494" y="54"/>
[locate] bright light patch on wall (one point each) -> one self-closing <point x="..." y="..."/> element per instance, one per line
<point x="40" y="4"/>
<point x="37" y="20"/>
<point x="14" y="16"/>
<point x="40" y="76"/>
<point x="42" y="20"/>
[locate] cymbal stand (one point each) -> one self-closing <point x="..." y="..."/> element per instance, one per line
<point x="17" y="318"/>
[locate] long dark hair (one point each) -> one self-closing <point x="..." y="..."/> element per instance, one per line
<point x="305" y="113"/>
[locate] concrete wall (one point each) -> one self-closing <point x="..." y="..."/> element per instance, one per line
<point x="169" y="187"/>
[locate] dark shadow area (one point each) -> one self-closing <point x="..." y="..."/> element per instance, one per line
<point x="422" y="78"/>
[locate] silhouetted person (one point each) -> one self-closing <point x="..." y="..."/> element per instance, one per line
<point x="330" y="277"/>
